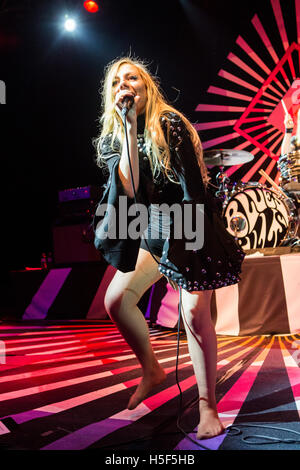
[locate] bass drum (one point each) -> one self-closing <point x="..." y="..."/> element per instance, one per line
<point x="259" y="217"/>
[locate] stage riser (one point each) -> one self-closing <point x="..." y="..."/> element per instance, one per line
<point x="264" y="302"/>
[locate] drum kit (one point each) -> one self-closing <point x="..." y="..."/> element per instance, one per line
<point x="259" y="216"/>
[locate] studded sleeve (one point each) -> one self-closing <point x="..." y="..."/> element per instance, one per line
<point x="183" y="157"/>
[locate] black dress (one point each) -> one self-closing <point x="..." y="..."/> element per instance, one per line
<point x="216" y="262"/>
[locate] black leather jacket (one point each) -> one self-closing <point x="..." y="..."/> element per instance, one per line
<point x="218" y="263"/>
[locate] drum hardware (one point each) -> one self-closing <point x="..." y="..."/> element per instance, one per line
<point x="222" y="180"/>
<point x="257" y="216"/>
<point x="289" y="168"/>
<point x="260" y="217"/>
<point x="222" y="158"/>
<point x="237" y="224"/>
<point x="292" y="190"/>
<point x="272" y="183"/>
<point x="226" y="157"/>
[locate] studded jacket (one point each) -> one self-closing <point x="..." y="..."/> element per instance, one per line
<point x="193" y="269"/>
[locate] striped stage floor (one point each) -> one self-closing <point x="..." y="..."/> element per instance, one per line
<point x="65" y="386"/>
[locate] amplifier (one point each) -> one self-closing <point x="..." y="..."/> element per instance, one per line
<point x="75" y="194"/>
<point x="74" y="244"/>
<point x="77" y="205"/>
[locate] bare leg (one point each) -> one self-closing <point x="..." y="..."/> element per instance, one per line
<point x="202" y="344"/>
<point x="122" y="296"/>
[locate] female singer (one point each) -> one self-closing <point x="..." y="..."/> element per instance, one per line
<point x="167" y="167"/>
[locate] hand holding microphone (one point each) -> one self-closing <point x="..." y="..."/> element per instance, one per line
<point x="124" y="103"/>
<point x="127" y="104"/>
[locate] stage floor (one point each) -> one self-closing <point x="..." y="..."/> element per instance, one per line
<point x="65" y="386"/>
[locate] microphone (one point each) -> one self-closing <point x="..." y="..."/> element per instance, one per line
<point x="126" y="104"/>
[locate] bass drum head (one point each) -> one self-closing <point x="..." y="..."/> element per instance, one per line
<point x="258" y="216"/>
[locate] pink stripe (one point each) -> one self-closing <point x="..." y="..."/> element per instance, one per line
<point x="74" y="335"/>
<point x="260" y="30"/>
<point x="282" y="71"/>
<point x="270" y="139"/>
<point x="231" y="94"/>
<point x="213" y="125"/>
<point x="267" y="103"/>
<point x="273" y="98"/>
<point x="42" y="346"/>
<point x="237" y="80"/>
<point x="254" y="142"/>
<point x="245" y="67"/>
<point x="291" y="360"/>
<point x="260" y="110"/>
<point x="291" y="64"/>
<point x="260" y="118"/>
<point x="294" y="379"/>
<point x="240" y="41"/>
<point x="51" y="386"/>
<point x="218" y="140"/>
<point x="254" y="128"/>
<point x="50" y="370"/>
<point x="262" y="134"/>
<point x="162" y="397"/>
<point x="247" y="177"/>
<point x="278" y="93"/>
<point x="275" y="144"/>
<point x="45" y="296"/>
<point x="82" y="399"/>
<point x="40" y="333"/>
<point x="280" y="23"/>
<point x="213" y="107"/>
<point x="233" y="400"/>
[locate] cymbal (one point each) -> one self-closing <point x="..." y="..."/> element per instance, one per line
<point x="226" y="157"/>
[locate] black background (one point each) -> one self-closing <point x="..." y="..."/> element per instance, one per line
<point x="53" y="81"/>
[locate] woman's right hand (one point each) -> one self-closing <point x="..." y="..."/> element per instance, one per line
<point x="131" y="116"/>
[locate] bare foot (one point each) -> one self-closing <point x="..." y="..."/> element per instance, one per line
<point x="156" y="376"/>
<point x="210" y="424"/>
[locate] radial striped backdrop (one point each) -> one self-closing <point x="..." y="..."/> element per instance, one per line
<point x="247" y="112"/>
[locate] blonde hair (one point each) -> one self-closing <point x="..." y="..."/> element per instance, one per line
<point x="157" y="148"/>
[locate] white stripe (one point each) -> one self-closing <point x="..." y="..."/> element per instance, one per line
<point x="290" y="266"/>
<point x="52" y="386"/>
<point x="227" y="302"/>
<point x="3" y="429"/>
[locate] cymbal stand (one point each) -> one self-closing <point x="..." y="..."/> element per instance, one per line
<point x="222" y="180"/>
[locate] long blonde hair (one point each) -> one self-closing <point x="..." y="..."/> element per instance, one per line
<point x="157" y="147"/>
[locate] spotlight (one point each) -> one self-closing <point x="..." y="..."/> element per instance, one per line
<point x="90" y="6"/>
<point x="70" y="25"/>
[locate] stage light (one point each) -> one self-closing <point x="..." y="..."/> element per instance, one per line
<point x="90" y="6"/>
<point x="70" y="25"/>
